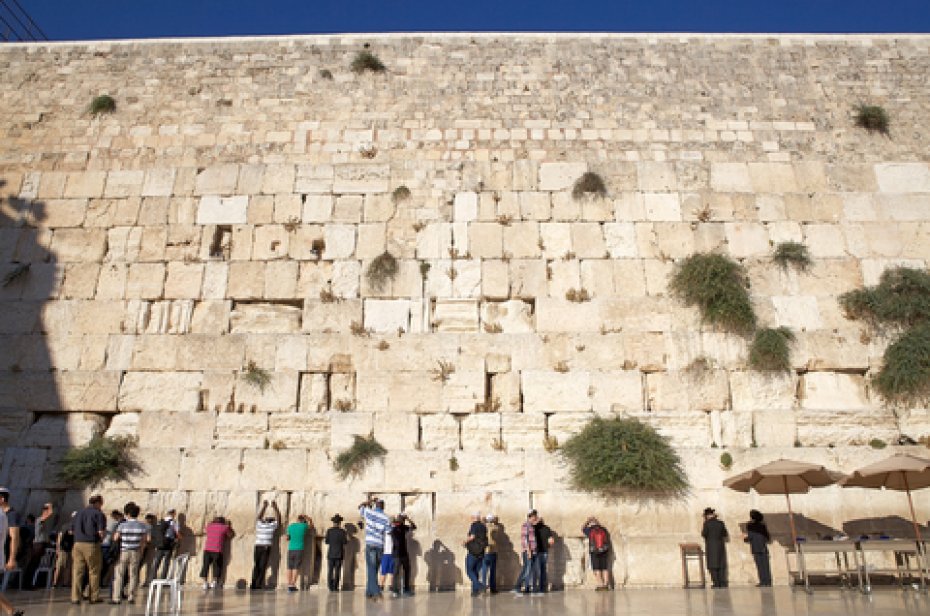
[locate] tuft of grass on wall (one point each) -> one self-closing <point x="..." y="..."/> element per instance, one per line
<point x="381" y="270"/>
<point x="102" y="104"/>
<point x="770" y="350"/>
<point x="367" y="61"/>
<point x="792" y="254"/>
<point x="901" y="299"/>
<point x="256" y="377"/>
<point x="719" y="287"/>
<point x="401" y="193"/>
<point x="102" y="459"/>
<point x="873" y="118"/>
<point x="623" y="456"/>
<point x="904" y="378"/>
<point x="353" y="461"/>
<point x="589" y="183"/>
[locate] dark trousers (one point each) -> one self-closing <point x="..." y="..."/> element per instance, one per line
<point x="333" y="571"/>
<point x="162" y="561"/>
<point x="528" y="580"/>
<point x="489" y="571"/>
<point x="402" y="562"/>
<point x="261" y="555"/>
<point x="212" y="559"/>
<point x="763" y="568"/>
<point x="542" y="561"/>
<point x="36" y="552"/>
<point x="718" y="576"/>
<point x="473" y="569"/>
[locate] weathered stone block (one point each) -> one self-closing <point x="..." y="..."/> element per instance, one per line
<point x="549" y="391"/>
<point x="387" y="316"/>
<point x="903" y="177"/>
<point x="160" y="391"/>
<point x="241" y="430"/>
<point x="214" y="210"/>
<point x="831" y="390"/>
<point x="560" y="176"/>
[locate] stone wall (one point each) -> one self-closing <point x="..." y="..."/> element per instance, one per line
<point x="227" y="213"/>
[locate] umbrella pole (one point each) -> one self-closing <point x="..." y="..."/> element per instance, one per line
<point x="910" y="501"/>
<point x="794" y="533"/>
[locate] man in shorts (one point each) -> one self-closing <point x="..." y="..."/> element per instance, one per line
<point x="296" y="534"/>
<point x="599" y="548"/>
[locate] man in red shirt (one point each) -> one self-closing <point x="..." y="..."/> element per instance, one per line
<point x="217" y="532"/>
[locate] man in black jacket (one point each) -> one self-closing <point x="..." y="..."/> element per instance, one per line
<point x="336" y="539"/>
<point x="715" y="538"/>
<point x="401" y="525"/>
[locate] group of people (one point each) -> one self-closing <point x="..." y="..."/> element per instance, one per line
<point x="715" y="535"/>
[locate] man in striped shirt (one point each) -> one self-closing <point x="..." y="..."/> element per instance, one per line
<point x="265" y="529"/>
<point x="132" y="536"/>
<point x="376" y="524"/>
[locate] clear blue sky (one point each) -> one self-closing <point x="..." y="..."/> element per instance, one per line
<point x="106" y="19"/>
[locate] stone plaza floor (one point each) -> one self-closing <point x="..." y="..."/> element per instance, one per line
<point x="780" y="601"/>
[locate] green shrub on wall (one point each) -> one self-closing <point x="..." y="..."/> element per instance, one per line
<point x="770" y="350"/>
<point x="103" y="458"/>
<point x="353" y="461"/>
<point x="102" y="104"/>
<point x="793" y="254"/>
<point x="873" y="118"/>
<point x="898" y="304"/>
<point x="718" y="286"/>
<point x="621" y="456"/>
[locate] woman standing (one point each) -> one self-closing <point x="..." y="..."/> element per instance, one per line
<point x="758" y="538"/>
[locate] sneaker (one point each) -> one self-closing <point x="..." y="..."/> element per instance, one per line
<point x="518" y="593"/>
<point x="206" y="586"/>
<point x="395" y="594"/>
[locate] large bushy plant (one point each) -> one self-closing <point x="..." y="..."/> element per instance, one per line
<point x="353" y="461"/>
<point x="103" y="458"/>
<point x="718" y="286"/>
<point x="622" y="455"/>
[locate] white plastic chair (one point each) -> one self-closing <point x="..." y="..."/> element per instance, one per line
<point x="46" y="566"/>
<point x="18" y="572"/>
<point x="173" y="583"/>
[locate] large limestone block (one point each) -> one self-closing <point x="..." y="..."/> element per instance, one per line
<point x="463" y="390"/>
<point x="656" y="176"/>
<point x="832" y="390"/>
<point x="87" y="184"/>
<point x="903" y="177"/>
<point x="636" y="314"/>
<point x="160" y="391"/>
<point x="86" y="391"/>
<point x="346" y="426"/>
<point x="127" y="183"/>
<point x="482" y="432"/>
<point x="465" y="206"/>
<point x="183" y="280"/>
<point x="588" y="240"/>
<point x="522" y="240"/>
<point x="797" y="312"/>
<point x="683" y="392"/>
<point x="560" y="176"/>
<point x="217" y="180"/>
<point x="455" y="315"/>
<point x="79" y="245"/>
<point x="562" y="426"/>
<point x="241" y="430"/>
<point x="682" y="429"/>
<point x="547" y="391"/>
<point x="322" y="316"/>
<point x="340" y="241"/>
<point x="772" y="178"/>
<point x="159" y="183"/>
<point x="23" y="468"/>
<point x="763" y="391"/>
<point x="298" y="431"/>
<point x="846" y="427"/>
<point x="203" y="469"/>
<point x="68" y="430"/>
<point x="265" y="318"/>
<point x="364" y="179"/>
<point x="173" y="429"/>
<point x="617" y="391"/>
<point x="561" y="315"/>
<point x="441" y="431"/>
<point x="387" y="316"/>
<point x="397" y="431"/>
<point x="662" y="206"/>
<point x="486" y="240"/>
<point x="747" y="239"/>
<point x="488" y="470"/>
<point x="214" y="210"/>
<point x="730" y="177"/>
<point x="281" y="280"/>
<point x="510" y="317"/>
<point x="527" y="278"/>
<point x="278" y="396"/>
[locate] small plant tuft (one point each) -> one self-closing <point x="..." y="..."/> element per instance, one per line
<point x="877" y="443"/>
<point x="291" y="224"/>
<point x="726" y="460"/>
<point x="699" y="368"/>
<point x="493" y="328"/>
<point x="367" y="61"/>
<point x="401" y="193"/>
<point x="453" y="464"/>
<point x="353" y="461"/>
<point x="102" y="104"/>
<point x="327" y="74"/>
<point x="424" y="269"/>
<point x="872" y="118"/>
<point x="550" y="443"/>
<point x="770" y="350"/>
<point x="497" y="444"/>
<point x="342" y="405"/>
<point x="256" y="377"/>
<point x="579" y="296"/>
<point x="382" y="269"/>
<point x="278" y="445"/>
<point x="359" y="329"/>
<point x="904" y="379"/>
<point x="718" y="286"/>
<point x="619" y="456"/>
<point x="443" y="371"/>
<point x="589" y="183"/>
<point x="561" y="366"/>
<point x="103" y="458"/>
<point x="900" y="300"/>
<point x="794" y="254"/>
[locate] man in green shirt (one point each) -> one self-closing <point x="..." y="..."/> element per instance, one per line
<point x="296" y="533"/>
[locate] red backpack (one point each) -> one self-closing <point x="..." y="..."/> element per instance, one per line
<point x="598" y="538"/>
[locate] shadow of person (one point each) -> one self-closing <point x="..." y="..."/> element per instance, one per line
<point x="350" y="561"/>
<point x="414" y="550"/>
<point x="557" y="563"/>
<point x="188" y="542"/>
<point x="509" y="560"/>
<point x="441" y="571"/>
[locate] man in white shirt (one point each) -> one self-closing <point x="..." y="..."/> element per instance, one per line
<point x="265" y="529"/>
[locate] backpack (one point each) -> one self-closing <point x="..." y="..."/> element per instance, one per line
<point x="163" y="535"/>
<point x="479" y="544"/>
<point x="598" y="540"/>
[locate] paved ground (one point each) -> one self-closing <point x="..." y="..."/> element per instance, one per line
<point x="662" y="602"/>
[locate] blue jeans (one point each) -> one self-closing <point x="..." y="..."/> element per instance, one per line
<point x="373" y="556"/>
<point x="473" y="569"/>
<point x="489" y="571"/>
<point x="541" y="559"/>
<point x="529" y="574"/>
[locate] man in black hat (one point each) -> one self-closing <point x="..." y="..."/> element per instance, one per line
<point x="715" y="538"/>
<point x="336" y="539"/>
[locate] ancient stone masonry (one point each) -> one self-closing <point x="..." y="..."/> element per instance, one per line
<point x="227" y="212"/>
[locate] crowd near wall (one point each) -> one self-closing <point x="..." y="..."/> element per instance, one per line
<point x="226" y="213"/>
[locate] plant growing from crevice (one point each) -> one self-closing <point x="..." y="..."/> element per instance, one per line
<point x="726" y="460"/>
<point x="367" y="61"/>
<point x="19" y="271"/>
<point x="877" y="443"/>
<point x="793" y="254"/>
<point x="382" y="269"/>
<point x="550" y="443"/>
<point x="401" y="193"/>
<point x="103" y="103"/>
<point x="443" y="371"/>
<point x="589" y="183"/>
<point x="872" y="118"/>
<point x="256" y="377"/>
<point x="104" y="458"/>
<point x="719" y="287"/>
<point x="770" y="350"/>
<point x="453" y="464"/>
<point x="623" y="456"/>
<point x="899" y="305"/>
<point x="699" y="368"/>
<point x="424" y="269"/>
<point x="578" y="296"/>
<point x="326" y="74"/>
<point x="353" y="461"/>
